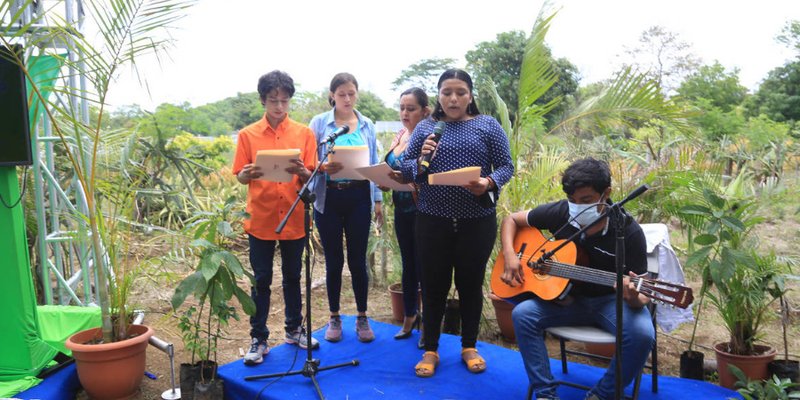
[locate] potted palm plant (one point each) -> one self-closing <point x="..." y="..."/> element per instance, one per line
<point x="213" y="285"/>
<point x="129" y="29"/>
<point x="742" y="283"/>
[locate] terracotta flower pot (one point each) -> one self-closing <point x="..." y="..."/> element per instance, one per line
<point x="398" y="309"/>
<point x="754" y="367"/>
<point x="502" y="311"/>
<point x="110" y="370"/>
<point x="396" y="294"/>
<point x="601" y="349"/>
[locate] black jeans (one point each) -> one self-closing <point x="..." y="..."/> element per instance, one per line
<point x="447" y="246"/>
<point x="261" y="255"/>
<point x="404" y="223"/>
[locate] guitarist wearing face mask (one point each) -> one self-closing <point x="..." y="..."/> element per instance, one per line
<point x="587" y="184"/>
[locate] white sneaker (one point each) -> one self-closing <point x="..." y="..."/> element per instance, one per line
<point x="258" y="349"/>
<point x="299" y="338"/>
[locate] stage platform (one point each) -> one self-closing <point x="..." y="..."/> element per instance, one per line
<point x="386" y="371"/>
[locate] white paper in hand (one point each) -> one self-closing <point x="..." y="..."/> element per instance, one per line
<point x="456" y="177"/>
<point x="379" y="173"/>
<point x="351" y="157"/>
<point x="273" y="164"/>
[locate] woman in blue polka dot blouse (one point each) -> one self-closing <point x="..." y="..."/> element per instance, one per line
<point x="456" y="225"/>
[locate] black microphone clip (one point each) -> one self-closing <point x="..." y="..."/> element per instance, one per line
<point x="335" y="134"/>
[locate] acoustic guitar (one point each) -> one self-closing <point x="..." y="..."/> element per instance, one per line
<point x="550" y="278"/>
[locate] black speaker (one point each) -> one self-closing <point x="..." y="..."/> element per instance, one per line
<point x="15" y="138"/>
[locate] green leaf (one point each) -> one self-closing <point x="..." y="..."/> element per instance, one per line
<point x="734" y="223"/>
<point x="186" y="287"/>
<point x="245" y="300"/>
<point x="698" y="256"/>
<point x="711" y="197"/>
<point x="695" y="209"/>
<point x="224" y="228"/>
<point x="705" y="239"/>
<point x="233" y="263"/>
<point x="209" y="265"/>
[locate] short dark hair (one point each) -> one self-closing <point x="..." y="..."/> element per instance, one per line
<point x="586" y="172"/>
<point x="460" y="74"/>
<point x="338" y="80"/>
<point x="419" y="94"/>
<point x="275" y="80"/>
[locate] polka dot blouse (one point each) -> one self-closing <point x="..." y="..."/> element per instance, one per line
<point x="480" y="141"/>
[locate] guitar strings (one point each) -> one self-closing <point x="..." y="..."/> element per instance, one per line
<point x="601" y="277"/>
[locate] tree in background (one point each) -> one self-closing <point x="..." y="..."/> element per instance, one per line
<point x="713" y="83"/>
<point x="790" y="35"/>
<point x="716" y="95"/>
<point x="778" y="97"/>
<point x="663" y="57"/>
<point x="373" y="108"/>
<point x="501" y="61"/>
<point x="424" y="74"/>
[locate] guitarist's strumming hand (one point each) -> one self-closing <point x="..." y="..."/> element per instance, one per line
<point x="630" y="294"/>
<point x="512" y="274"/>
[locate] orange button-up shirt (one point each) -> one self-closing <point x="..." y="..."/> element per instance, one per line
<point x="268" y="202"/>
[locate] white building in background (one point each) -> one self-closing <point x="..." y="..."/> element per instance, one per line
<point x="388" y="126"/>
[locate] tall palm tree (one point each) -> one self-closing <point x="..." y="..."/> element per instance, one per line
<point x="128" y="30"/>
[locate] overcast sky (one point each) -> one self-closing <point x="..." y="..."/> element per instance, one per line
<point x="223" y="46"/>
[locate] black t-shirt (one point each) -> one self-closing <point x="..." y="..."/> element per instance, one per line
<point x="599" y="248"/>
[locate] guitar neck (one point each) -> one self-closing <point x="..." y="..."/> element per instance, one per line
<point x="585" y="274"/>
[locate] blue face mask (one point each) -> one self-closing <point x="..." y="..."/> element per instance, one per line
<point x="583" y="214"/>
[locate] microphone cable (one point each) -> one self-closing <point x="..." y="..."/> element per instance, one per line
<point x="22" y="193"/>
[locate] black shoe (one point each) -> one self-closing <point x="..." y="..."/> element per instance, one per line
<point x="401" y="334"/>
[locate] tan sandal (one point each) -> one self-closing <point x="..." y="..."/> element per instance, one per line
<point x="475" y="363"/>
<point x="426" y="368"/>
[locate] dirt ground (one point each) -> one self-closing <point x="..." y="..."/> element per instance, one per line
<point x="155" y="290"/>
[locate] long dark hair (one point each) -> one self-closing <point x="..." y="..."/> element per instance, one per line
<point x="338" y="80"/>
<point x="460" y="74"/>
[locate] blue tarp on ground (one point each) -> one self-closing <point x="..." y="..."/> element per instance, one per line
<point x="386" y="371"/>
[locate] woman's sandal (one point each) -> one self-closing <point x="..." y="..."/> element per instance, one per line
<point x="426" y="368"/>
<point x="475" y="363"/>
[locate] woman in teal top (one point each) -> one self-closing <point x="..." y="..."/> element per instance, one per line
<point x="343" y="208"/>
<point x="413" y="109"/>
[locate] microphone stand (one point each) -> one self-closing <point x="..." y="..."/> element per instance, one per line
<point x="618" y="220"/>
<point x="311" y="366"/>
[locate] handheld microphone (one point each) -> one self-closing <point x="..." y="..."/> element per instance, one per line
<point x="335" y="134"/>
<point x="424" y="163"/>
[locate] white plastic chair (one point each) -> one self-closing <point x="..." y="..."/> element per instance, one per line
<point x="658" y="236"/>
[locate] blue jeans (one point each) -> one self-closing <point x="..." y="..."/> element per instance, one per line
<point x="404" y="223"/>
<point x="533" y="316"/>
<point x="261" y="255"/>
<point x="348" y="214"/>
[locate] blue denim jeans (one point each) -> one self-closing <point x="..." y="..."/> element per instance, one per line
<point x="261" y="256"/>
<point x="404" y="223"/>
<point x="348" y="215"/>
<point x="533" y="316"/>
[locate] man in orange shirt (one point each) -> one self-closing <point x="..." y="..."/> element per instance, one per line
<point x="267" y="203"/>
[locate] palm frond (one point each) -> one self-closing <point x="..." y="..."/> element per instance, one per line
<point x="631" y="98"/>
<point x="537" y="74"/>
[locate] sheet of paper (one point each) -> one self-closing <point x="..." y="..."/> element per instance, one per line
<point x="351" y="157"/>
<point x="456" y="177"/>
<point x="273" y="164"/>
<point x="379" y="173"/>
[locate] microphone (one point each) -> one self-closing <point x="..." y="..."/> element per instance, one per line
<point x="634" y="194"/>
<point x="335" y="134"/>
<point x="424" y="163"/>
